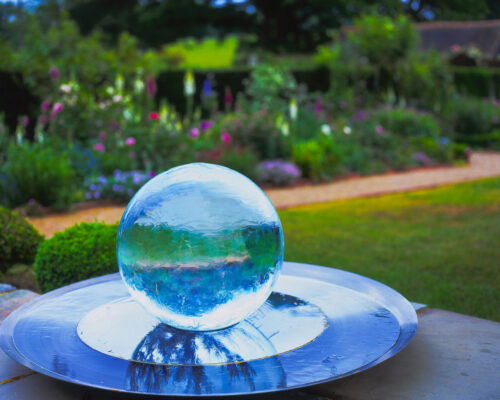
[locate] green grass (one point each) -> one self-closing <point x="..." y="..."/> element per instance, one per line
<point x="207" y="54"/>
<point x="440" y="247"/>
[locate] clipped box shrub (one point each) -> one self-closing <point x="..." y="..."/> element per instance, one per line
<point x="81" y="252"/>
<point x="19" y="240"/>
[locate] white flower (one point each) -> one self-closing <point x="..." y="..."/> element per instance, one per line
<point x="127" y="115"/>
<point x="189" y="85"/>
<point x="66" y="88"/>
<point x="326" y="130"/>
<point x="138" y="86"/>
<point x="285" y="129"/>
<point x="110" y="90"/>
<point x="117" y="98"/>
<point x="293" y="109"/>
<point x="347" y="130"/>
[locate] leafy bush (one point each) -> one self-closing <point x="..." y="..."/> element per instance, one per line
<point x="38" y="172"/>
<point x="270" y="88"/>
<point x="19" y="240"/>
<point x="316" y="158"/>
<point x="258" y="132"/>
<point x="424" y="81"/>
<point x="277" y="172"/>
<point x="383" y="40"/>
<point x="477" y="81"/>
<point x="81" y="252"/>
<point x="405" y="122"/>
<point x="121" y="186"/>
<point x="242" y="160"/>
<point x="468" y="115"/>
<point x="392" y="139"/>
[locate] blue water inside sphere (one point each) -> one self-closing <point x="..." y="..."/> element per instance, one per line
<point x="200" y="247"/>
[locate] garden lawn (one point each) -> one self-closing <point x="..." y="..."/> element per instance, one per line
<point x="440" y="247"/>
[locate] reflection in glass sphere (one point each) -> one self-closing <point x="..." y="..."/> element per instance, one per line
<point x="200" y="247"/>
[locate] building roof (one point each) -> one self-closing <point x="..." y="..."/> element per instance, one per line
<point x="443" y="36"/>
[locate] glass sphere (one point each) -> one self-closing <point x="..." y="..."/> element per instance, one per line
<point x="200" y="247"/>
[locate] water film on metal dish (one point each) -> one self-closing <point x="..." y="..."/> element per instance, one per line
<point x="345" y="323"/>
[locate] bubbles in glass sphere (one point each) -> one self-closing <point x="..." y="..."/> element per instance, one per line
<point x="200" y="247"/>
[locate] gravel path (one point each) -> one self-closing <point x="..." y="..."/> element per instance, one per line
<point x="482" y="165"/>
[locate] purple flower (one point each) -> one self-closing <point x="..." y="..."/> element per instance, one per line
<point x="93" y="187"/>
<point x="99" y="147"/>
<point x="151" y="174"/>
<point x="278" y="172"/>
<point x="31" y="202"/>
<point x="24" y="120"/>
<point x="88" y="195"/>
<point x="46" y="106"/>
<point x="421" y="158"/>
<point x="318" y="106"/>
<point x="228" y="97"/>
<point x="207" y="88"/>
<point x="130" y="192"/>
<point x="97" y="195"/>
<point x="54" y="73"/>
<point x="444" y="141"/>
<point x="359" y="115"/>
<point x="151" y="86"/>
<point x="130" y="141"/>
<point x="206" y="125"/>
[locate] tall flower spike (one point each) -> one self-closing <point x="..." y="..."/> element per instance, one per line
<point x="189" y="85"/>
<point x="293" y="109"/>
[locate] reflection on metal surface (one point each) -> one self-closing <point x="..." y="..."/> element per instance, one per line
<point x="238" y="377"/>
<point x="133" y="334"/>
<point x="368" y="323"/>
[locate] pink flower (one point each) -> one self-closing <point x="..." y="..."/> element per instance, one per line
<point x="54" y="73"/>
<point x="455" y="48"/>
<point x="154" y="116"/>
<point x="46" y="106"/>
<point x="225" y="137"/>
<point x="379" y="129"/>
<point x="130" y="141"/>
<point x="102" y="136"/>
<point x="195" y="132"/>
<point x="319" y="106"/>
<point x="57" y="107"/>
<point x="228" y="97"/>
<point x="99" y="147"/>
<point x="151" y="86"/>
<point x="25" y="121"/>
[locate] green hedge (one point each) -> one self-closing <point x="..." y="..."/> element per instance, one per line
<point x="81" y="252"/>
<point x="17" y="100"/>
<point x="19" y="240"/>
<point x="480" y="82"/>
<point x="489" y="141"/>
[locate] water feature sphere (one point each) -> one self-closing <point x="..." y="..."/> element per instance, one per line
<point x="200" y="247"/>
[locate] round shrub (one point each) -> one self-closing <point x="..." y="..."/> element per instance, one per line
<point x="19" y="240"/>
<point x="81" y="252"/>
